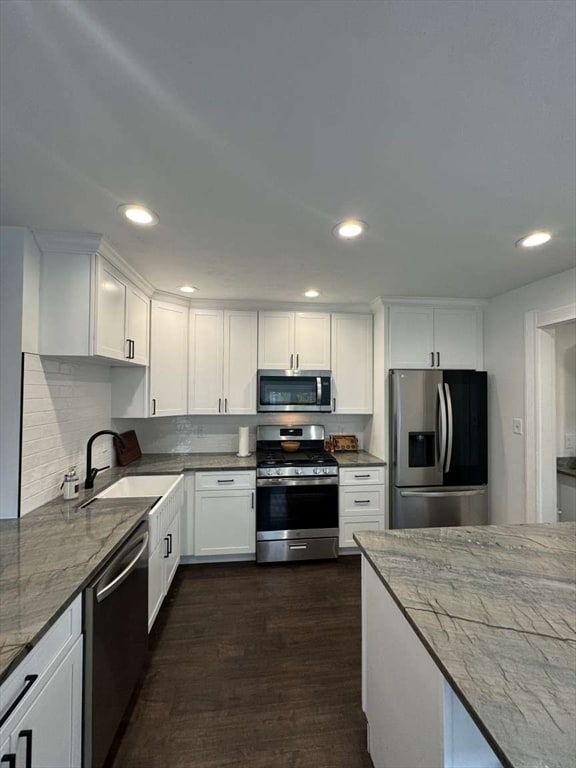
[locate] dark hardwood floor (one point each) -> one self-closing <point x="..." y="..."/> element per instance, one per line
<point x="253" y="666"/>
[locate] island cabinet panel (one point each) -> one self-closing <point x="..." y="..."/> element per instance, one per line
<point x="415" y="720"/>
<point x="404" y="691"/>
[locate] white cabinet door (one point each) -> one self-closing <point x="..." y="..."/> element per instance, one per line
<point x="168" y="359"/>
<point x="187" y="518"/>
<point x="51" y="728"/>
<point x="172" y="562"/>
<point x="205" y="362"/>
<point x="109" y="338"/>
<point x="138" y="324"/>
<point x="276" y="340"/>
<point x="352" y="363"/>
<point x="312" y="341"/>
<point x="240" y="362"/>
<point x="458" y="338"/>
<point x="224" y="523"/>
<point x="411" y="337"/>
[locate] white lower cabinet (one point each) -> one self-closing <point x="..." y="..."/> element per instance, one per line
<point x="361" y="503"/>
<point x="42" y="700"/>
<point x="164" y="547"/>
<point x="225" y="513"/>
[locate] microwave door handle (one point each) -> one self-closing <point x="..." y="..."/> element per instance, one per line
<point x="319" y="390"/>
<point x="442" y="429"/>
<point x="450" y="435"/>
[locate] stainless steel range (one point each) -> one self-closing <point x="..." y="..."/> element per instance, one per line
<point x="297" y="495"/>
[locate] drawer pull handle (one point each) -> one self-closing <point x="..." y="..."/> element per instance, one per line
<point x="10" y="759"/>
<point x="226" y="481"/>
<point x="361" y="501"/>
<point x="27" y="734"/>
<point x="298" y="546"/>
<point x="361" y="476"/>
<point x="29" y="681"/>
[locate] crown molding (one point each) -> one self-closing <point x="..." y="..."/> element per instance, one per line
<point x="254" y="305"/>
<point x="431" y="301"/>
<point x="89" y="244"/>
<point x="74" y="243"/>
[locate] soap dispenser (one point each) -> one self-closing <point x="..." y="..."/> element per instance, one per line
<point x="70" y="484"/>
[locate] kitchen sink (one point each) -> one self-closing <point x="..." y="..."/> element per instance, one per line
<point x="139" y="485"/>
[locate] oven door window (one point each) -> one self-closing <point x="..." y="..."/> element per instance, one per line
<point x="301" y="390"/>
<point x="297" y="507"/>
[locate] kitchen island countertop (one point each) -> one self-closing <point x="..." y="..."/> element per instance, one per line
<point x="495" y="606"/>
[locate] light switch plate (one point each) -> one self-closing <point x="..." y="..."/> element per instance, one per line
<point x="517" y="426"/>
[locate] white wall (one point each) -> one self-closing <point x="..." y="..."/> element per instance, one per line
<point x="504" y="350"/>
<point x="565" y="345"/>
<point x="64" y="403"/>
<point x="19" y="292"/>
<point x="207" y="434"/>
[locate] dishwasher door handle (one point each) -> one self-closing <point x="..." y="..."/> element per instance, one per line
<point x="103" y="593"/>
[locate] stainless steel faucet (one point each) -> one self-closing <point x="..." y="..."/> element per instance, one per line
<point x="91" y="472"/>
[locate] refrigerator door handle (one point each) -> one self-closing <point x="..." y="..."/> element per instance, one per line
<point x="441" y="494"/>
<point x="450" y="427"/>
<point x="443" y="429"/>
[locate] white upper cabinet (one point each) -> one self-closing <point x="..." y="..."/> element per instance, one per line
<point x="352" y="363"/>
<point x="435" y="337"/>
<point x="121" y="324"/>
<point x="168" y="359"/>
<point x="88" y="305"/>
<point x="294" y="340"/>
<point x="223" y="359"/>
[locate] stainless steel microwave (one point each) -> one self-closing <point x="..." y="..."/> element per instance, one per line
<point x="295" y="391"/>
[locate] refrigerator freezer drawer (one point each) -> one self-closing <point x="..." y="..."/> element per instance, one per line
<point x="437" y="506"/>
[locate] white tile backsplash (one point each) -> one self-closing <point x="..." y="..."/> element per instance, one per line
<point x="207" y="434"/>
<point x="64" y="403"/>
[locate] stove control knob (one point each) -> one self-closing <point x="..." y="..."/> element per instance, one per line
<point x="269" y="471"/>
<point x="278" y="471"/>
<point x="298" y="471"/>
<point x="317" y="470"/>
<point x="325" y="470"/>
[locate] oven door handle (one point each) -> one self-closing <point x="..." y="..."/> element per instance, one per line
<point x="318" y="390"/>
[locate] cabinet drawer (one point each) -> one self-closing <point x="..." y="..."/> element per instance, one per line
<point x="223" y="481"/>
<point x="359" y="500"/>
<point x="362" y="476"/>
<point x="352" y="525"/>
<point x="42" y="659"/>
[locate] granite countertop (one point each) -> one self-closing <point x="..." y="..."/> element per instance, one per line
<point x="358" y="459"/>
<point x="175" y="463"/>
<point x="566" y="465"/>
<point x="496" y="608"/>
<point x="47" y="558"/>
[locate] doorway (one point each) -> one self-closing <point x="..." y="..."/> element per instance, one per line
<point x="541" y="410"/>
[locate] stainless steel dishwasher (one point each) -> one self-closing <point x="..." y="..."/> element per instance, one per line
<point x="116" y="643"/>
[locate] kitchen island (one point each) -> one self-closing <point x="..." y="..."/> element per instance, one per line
<point x="469" y="646"/>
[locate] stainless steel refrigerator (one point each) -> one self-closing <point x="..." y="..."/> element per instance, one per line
<point x="438" y="448"/>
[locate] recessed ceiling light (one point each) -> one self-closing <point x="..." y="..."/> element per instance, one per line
<point x="188" y="288"/>
<point x="534" y="239"/>
<point x="139" y="214"/>
<point x="350" y="228"/>
<point x="312" y="293"/>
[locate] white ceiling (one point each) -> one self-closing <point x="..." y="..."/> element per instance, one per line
<point x="251" y="127"/>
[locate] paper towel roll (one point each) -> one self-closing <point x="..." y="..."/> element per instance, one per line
<point x="243" y="441"/>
